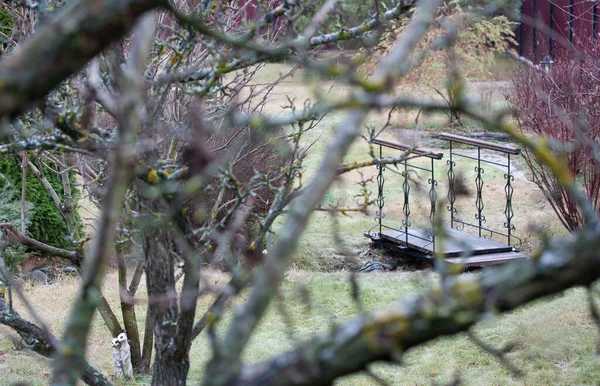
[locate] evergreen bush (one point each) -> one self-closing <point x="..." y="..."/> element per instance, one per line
<point x="10" y="208"/>
<point x="6" y="22"/>
<point x="13" y="257"/>
<point x="46" y="223"/>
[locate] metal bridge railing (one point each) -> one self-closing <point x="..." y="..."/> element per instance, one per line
<point x="479" y="182"/>
<point x="455" y="221"/>
<point x="415" y="153"/>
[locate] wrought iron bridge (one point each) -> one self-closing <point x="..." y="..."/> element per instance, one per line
<point x="483" y="245"/>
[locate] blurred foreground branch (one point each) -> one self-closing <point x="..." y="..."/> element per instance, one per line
<point x="36" y="339"/>
<point x="74" y="30"/>
<point x="387" y="334"/>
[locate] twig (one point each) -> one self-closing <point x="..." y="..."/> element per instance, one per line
<point x="498" y="355"/>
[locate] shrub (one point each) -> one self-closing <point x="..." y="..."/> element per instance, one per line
<point x="46" y="222"/>
<point x="478" y="42"/>
<point x="563" y="105"/>
<point x="13" y="257"/>
<point x="6" y="22"/>
<point x="10" y="209"/>
<point x="10" y="212"/>
<point x="443" y="73"/>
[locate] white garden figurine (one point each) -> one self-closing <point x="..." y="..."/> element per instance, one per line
<point x="116" y="351"/>
<point x="125" y="351"/>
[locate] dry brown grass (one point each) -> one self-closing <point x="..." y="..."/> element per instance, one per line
<point x="53" y="303"/>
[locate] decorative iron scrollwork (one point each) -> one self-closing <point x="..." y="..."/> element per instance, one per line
<point x="432" y="199"/>
<point x="508" y="209"/>
<point x="451" y="185"/>
<point x="406" y="206"/>
<point x="479" y="191"/>
<point x="489" y="236"/>
<point x="380" y="196"/>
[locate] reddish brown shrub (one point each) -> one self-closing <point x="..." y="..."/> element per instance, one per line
<point x="563" y="105"/>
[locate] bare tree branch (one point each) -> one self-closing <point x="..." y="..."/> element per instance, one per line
<point x="16" y="237"/>
<point x="382" y="335"/>
<point x="69" y="362"/>
<point x="315" y="41"/>
<point x="73" y="30"/>
<point x="40" y="342"/>
<point x="226" y="364"/>
<point x="23" y="189"/>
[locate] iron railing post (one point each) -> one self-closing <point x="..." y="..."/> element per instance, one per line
<point x="451" y="192"/>
<point x="479" y="187"/>
<point x="380" y="197"/>
<point x="508" y="210"/>
<point x="432" y="200"/>
<point x="406" y="206"/>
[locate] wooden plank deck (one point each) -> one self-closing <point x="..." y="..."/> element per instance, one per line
<point x="414" y="150"/>
<point x="457" y="244"/>
<point x="488" y="259"/>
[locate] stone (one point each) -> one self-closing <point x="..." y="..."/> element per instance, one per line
<point x="40" y="277"/>
<point x="69" y="269"/>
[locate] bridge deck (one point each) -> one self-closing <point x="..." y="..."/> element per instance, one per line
<point x="488" y="259"/>
<point x="456" y="244"/>
<point x="458" y="247"/>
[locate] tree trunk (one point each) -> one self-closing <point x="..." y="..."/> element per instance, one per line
<point x="130" y="325"/>
<point x="170" y="373"/>
<point x="69" y="208"/>
<point x="109" y="317"/>
<point x="128" y="312"/>
<point x="172" y="328"/>
<point x="147" y="347"/>
<point x="16" y="237"/>
<point x="169" y="368"/>
<point x="23" y="190"/>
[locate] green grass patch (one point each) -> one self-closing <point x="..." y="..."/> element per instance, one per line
<point x="553" y="340"/>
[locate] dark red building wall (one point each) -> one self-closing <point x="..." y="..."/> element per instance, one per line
<point x="549" y="27"/>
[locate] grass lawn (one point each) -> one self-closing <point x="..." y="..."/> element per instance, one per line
<point x="553" y="341"/>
